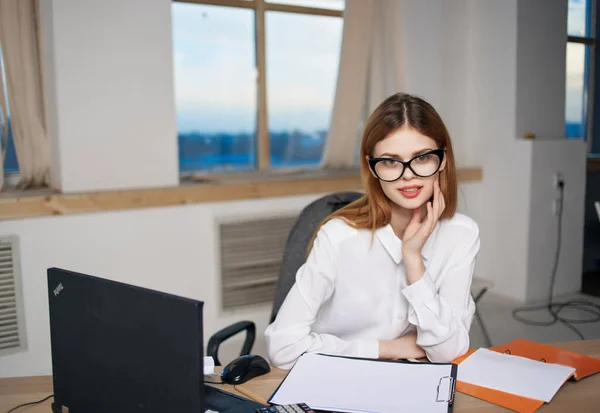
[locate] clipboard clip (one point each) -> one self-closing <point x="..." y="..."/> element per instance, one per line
<point x="445" y="390"/>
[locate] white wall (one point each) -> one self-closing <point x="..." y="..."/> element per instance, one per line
<point x="173" y="249"/>
<point x="517" y="75"/>
<point x="568" y="158"/>
<point x="421" y="31"/>
<point x="540" y="87"/>
<point x="493" y="75"/>
<point x="110" y="93"/>
<point x="167" y="249"/>
<point x="454" y="66"/>
<point x="540" y="110"/>
<point x="462" y="57"/>
<point x="509" y="159"/>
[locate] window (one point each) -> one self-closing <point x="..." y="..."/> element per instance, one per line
<point x="580" y="31"/>
<point x="10" y="161"/>
<point x="254" y="82"/>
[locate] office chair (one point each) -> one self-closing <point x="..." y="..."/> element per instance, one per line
<point x="294" y="255"/>
<point x="478" y="288"/>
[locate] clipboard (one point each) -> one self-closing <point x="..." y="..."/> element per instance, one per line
<point x="584" y="366"/>
<point x="361" y="385"/>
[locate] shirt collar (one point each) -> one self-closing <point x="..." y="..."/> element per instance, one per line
<point x="393" y="244"/>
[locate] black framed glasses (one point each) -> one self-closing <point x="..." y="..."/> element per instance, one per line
<point x="423" y="165"/>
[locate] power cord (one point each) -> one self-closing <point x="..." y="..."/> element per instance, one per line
<point x="29" y="404"/>
<point x="554" y="308"/>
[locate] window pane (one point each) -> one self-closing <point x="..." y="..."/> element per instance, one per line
<point x="215" y="87"/>
<point x="578" y="23"/>
<point x="322" y="4"/>
<point x="10" y="162"/>
<point x="576" y="90"/>
<point x="302" y="54"/>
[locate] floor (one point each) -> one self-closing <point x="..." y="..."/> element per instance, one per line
<point x="497" y="316"/>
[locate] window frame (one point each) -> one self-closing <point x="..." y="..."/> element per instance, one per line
<point x="261" y="7"/>
<point x="593" y="116"/>
<point x="590" y="112"/>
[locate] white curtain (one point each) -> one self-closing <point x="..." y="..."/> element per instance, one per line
<point x="369" y="71"/>
<point x="18" y="38"/>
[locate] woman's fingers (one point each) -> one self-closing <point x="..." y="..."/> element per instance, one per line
<point x="416" y="217"/>
<point x="434" y="219"/>
<point x="440" y="199"/>
<point x="436" y="199"/>
<point x="429" y="220"/>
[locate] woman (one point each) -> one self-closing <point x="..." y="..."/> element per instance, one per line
<point x="389" y="275"/>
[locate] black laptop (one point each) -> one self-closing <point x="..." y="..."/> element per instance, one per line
<point x="118" y="348"/>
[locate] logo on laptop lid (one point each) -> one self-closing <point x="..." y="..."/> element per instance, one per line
<point x="58" y="289"/>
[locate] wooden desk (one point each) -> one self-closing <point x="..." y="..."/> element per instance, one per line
<point x="581" y="396"/>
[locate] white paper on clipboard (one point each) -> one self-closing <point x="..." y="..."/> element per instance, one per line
<point x="354" y="385"/>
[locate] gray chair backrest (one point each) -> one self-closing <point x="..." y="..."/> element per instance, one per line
<point x="294" y="254"/>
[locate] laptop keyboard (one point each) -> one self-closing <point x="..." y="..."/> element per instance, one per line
<point x="220" y="401"/>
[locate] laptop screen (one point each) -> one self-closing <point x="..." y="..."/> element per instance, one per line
<point x="121" y="348"/>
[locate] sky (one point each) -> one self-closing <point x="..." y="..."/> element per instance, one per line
<point x="215" y="68"/>
<point x="215" y="75"/>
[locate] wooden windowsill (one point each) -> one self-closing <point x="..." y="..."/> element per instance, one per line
<point x="36" y="203"/>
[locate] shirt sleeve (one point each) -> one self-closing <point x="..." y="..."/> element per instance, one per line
<point x="290" y="334"/>
<point x="443" y="315"/>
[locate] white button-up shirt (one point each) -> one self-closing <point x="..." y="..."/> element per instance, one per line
<point x="352" y="292"/>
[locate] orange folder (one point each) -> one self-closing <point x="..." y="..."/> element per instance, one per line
<point x="584" y="366"/>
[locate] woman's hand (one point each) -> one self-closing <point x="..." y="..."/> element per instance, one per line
<point x="401" y="348"/>
<point x="419" y="228"/>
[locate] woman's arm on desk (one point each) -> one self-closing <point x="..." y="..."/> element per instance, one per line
<point x="443" y="315"/>
<point x="404" y="347"/>
<point x="290" y="334"/>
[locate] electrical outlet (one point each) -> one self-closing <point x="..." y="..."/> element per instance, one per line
<point x="556" y="178"/>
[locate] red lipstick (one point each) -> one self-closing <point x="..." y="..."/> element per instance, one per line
<point x="410" y="191"/>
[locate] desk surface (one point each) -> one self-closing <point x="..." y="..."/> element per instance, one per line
<point x="580" y="396"/>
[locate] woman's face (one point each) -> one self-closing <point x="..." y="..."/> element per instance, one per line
<point x="410" y="191"/>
